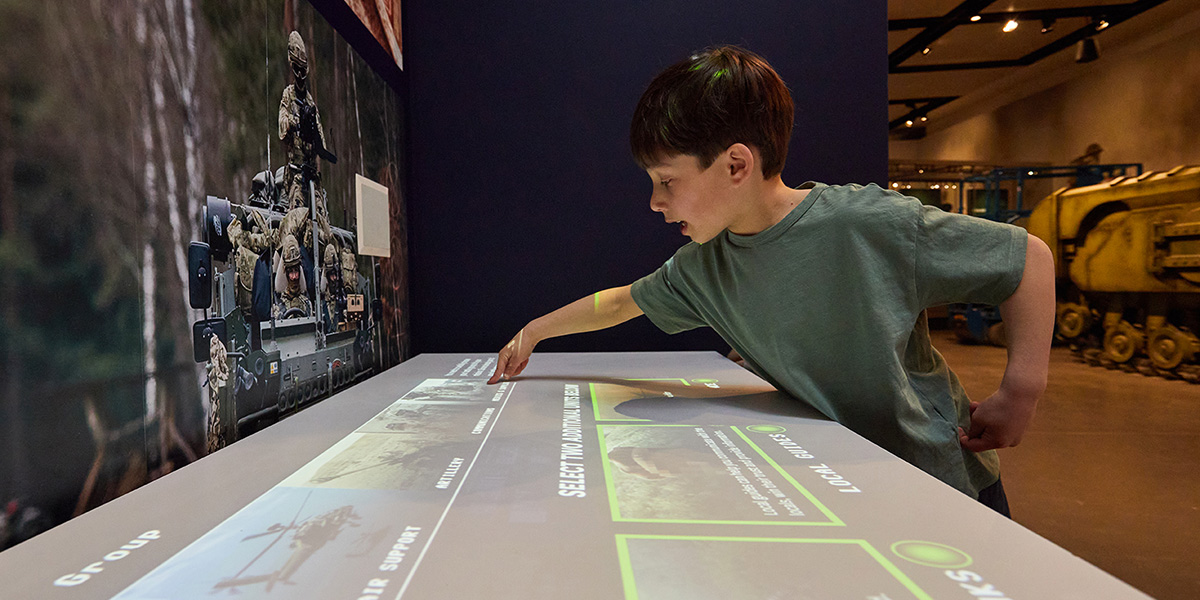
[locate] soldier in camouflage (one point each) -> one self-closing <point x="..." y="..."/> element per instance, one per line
<point x="218" y="376"/>
<point x="289" y="280"/>
<point x="332" y="292"/>
<point x="248" y="245"/>
<point x="300" y="138"/>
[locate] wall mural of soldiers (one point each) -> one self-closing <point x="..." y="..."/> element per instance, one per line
<point x="189" y="101"/>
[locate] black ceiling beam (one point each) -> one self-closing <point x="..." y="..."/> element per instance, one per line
<point x="959" y="15"/>
<point x="927" y="105"/>
<point x="1113" y="16"/>
<point x="1020" y="15"/>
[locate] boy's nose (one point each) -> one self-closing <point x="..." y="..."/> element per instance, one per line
<point x="656" y="203"/>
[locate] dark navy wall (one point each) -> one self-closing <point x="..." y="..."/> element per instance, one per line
<point x="522" y="192"/>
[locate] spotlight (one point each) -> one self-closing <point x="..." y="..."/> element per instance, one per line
<point x="925" y="51"/>
<point x="908" y="123"/>
<point x="976" y="18"/>
<point x="923" y="119"/>
<point x="1047" y="25"/>
<point x="1087" y="50"/>
<point x="895" y="185"/>
<point x="1101" y="25"/>
<point x="1010" y="26"/>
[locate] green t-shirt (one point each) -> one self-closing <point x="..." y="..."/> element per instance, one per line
<point x="827" y="305"/>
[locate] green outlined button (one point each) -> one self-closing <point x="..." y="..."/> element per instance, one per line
<point x="766" y="429"/>
<point x="931" y="554"/>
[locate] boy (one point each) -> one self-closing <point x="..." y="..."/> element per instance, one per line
<point x="822" y="289"/>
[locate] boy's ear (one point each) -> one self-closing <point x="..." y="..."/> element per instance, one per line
<point x="740" y="162"/>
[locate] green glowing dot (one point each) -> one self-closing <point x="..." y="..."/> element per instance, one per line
<point x="932" y="554"/>
<point x="766" y="429"/>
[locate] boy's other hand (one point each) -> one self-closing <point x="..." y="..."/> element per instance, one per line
<point x="998" y="422"/>
<point x="513" y="358"/>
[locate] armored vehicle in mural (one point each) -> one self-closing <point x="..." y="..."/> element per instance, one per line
<point x="1127" y="259"/>
<point x="277" y="359"/>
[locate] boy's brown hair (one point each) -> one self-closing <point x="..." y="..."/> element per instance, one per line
<point x="714" y="99"/>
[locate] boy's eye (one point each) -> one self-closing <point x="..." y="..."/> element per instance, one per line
<point x="666" y="182"/>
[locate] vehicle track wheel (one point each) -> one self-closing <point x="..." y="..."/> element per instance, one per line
<point x="1073" y="320"/>
<point x="1123" y="341"/>
<point x="1169" y="346"/>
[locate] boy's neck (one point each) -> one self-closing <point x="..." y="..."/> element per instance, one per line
<point x="765" y="204"/>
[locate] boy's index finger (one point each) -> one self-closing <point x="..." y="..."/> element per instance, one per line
<point x="501" y="363"/>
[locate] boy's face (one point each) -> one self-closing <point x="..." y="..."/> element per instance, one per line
<point x="690" y="196"/>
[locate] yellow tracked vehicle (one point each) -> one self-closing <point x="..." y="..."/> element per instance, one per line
<point x="1127" y="261"/>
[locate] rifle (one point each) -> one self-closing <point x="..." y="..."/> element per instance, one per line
<point x="309" y="131"/>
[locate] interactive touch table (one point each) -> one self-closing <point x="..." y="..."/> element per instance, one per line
<point x="641" y="475"/>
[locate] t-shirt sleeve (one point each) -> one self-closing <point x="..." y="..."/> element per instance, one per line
<point x="660" y="298"/>
<point x="960" y="258"/>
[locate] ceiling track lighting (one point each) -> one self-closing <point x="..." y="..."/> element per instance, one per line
<point x="1048" y="25"/>
<point x="1100" y="24"/>
<point x="1010" y="26"/>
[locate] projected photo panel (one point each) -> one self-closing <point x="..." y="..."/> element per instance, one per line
<point x="700" y="474"/>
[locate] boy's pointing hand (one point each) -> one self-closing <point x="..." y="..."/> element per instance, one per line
<point x="512" y="358"/>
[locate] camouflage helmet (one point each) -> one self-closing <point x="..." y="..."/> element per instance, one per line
<point x="297" y="55"/>
<point x="291" y="251"/>
<point x="331" y="257"/>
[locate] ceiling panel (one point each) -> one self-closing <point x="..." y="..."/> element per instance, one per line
<point x="924" y="85"/>
<point x="985" y="42"/>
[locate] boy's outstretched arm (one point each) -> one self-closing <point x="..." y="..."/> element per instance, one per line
<point x="598" y="311"/>
<point x="1001" y="420"/>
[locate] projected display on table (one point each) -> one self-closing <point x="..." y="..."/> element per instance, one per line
<point x="569" y="484"/>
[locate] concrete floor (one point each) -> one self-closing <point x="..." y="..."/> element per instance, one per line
<point x="1109" y="470"/>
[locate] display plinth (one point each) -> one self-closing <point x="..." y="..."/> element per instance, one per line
<point x="643" y="475"/>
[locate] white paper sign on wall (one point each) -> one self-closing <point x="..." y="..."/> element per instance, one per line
<point x="374" y="221"/>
